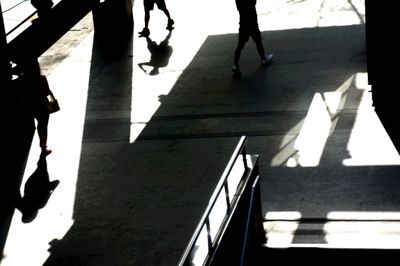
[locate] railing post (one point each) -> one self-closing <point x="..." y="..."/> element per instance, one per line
<point x="228" y="202"/>
<point x="244" y="158"/>
<point x="209" y="240"/>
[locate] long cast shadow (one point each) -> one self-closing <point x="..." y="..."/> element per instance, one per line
<point x="160" y="54"/>
<point x="109" y="89"/>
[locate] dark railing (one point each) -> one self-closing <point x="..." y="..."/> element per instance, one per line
<point x="21" y="23"/>
<point x="232" y="222"/>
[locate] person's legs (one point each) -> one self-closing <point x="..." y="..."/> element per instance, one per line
<point x="146" y="19"/>
<point x="260" y="50"/>
<point x="163" y="7"/>
<point x="42" y="123"/>
<point x="238" y="52"/>
<point x="148" y="6"/>
<point x="166" y="12"/>
<point x="170" y="20"/>
<point x="256" y="36"/>
<point x="243" y="38"/>
<point x="146" y="32"/>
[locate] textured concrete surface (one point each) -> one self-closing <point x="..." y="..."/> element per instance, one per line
<point x="138" y="155"/>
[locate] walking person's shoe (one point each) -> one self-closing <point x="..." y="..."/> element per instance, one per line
<point x="45" y="151"/>
<point x="267" y="59"/>
<point x="170" y="24"/>
<point x="236" y="70"/>
<point x="52" y="185"/>
<point x="144" y="33"/>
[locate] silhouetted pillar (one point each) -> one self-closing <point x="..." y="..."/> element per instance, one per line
<point x="113" y="20"/>
<point x="382" y="53"/>
<point x="5" y="210"/>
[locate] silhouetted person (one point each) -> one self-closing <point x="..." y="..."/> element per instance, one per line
<point x="36" y="92"/>
<point x="160" y="54"/>
<point x="42" y="6"/>
<point x="249" y="28"/>
<point x="148" y="6"/>
<point x="37" y="191"/>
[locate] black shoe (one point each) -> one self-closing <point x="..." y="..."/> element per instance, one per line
<point x="170" y="24"/>
<point x="267" y="59"/>
<point x="53" y="185"/>
<point x="45" y="151"/>
<point x="236" y="70"/>
<point x="29" y="215"/>
<point x="145" y="32"/>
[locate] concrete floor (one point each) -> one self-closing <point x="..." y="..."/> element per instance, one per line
<point x="139" y="152"/>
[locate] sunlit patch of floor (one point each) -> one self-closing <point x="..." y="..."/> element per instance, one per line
<point x="280" y="15"/>
<point x="376" y="230"/>
<point x="306" y="149"/>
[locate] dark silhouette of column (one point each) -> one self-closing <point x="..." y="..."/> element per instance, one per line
<point x="113" y="23"/>
<point x="382" y="54"/>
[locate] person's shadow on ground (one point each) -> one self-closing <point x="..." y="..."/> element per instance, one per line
<point x="37" y="191"/>
<point x="160" y="54"/>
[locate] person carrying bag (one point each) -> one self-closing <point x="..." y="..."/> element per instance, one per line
<point x="39" y="100"/>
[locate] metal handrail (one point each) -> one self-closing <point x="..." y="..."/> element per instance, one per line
<point x="26" y="19"/>
<point x="22" y="22"/>
<point x="239" y="150"/>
